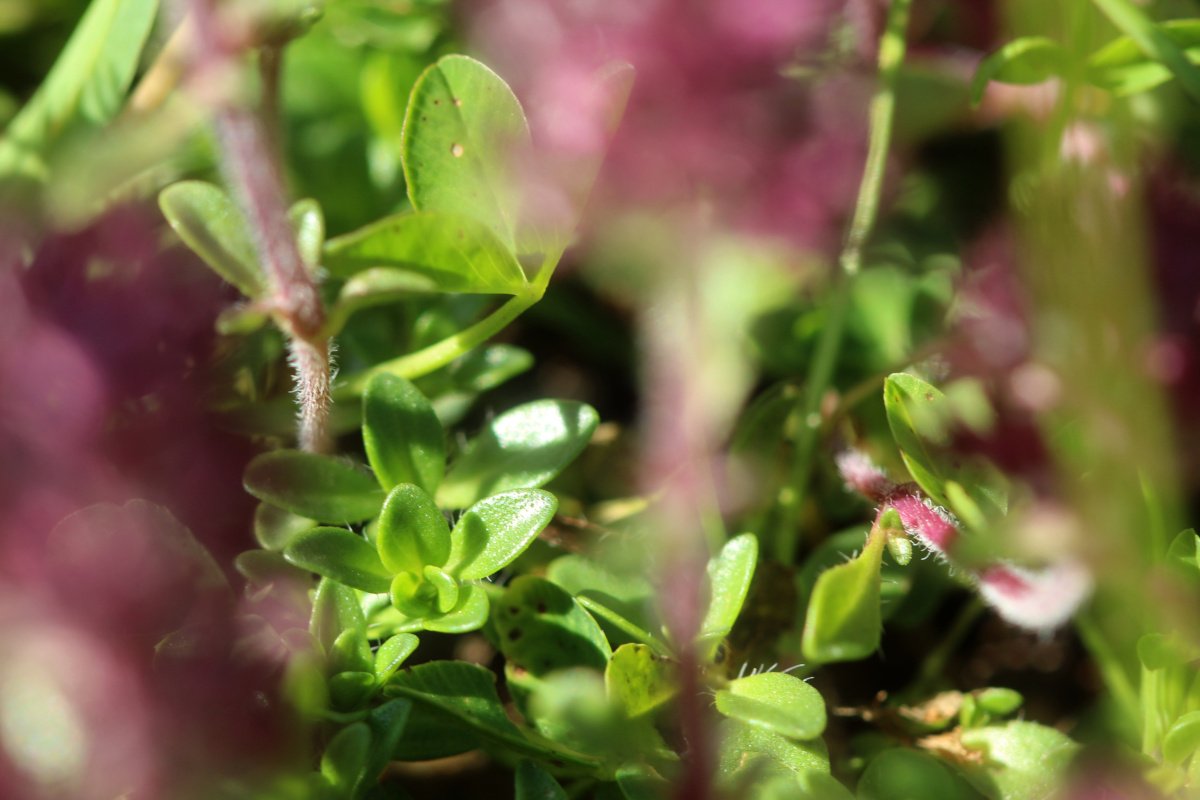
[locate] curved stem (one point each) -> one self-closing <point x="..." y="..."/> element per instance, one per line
<point x="866" y="209"/>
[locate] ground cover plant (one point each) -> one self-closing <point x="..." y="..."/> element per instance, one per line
<point x="637" y="399"/>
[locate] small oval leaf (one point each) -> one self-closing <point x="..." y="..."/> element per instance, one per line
<point x="403" y="438"/>
<point x="494" y="531"/>
<point x="341" y="555"/>
<point x="211" y="224"/>
<point x="411" y="532"/>
<point x="777" y="702"/>
<point x="843" y="621"/>
<point x="523" y="448"/>
<point x="314" y="486"/>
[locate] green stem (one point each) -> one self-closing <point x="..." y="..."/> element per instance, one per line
<point x="866" y="210"/>
<point x="935" y="663"/>
<point x="1114" y="674"/>
<point x="438" y="355"/>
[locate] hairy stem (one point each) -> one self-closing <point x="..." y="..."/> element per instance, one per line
<point x="252" y="168"/>
<point x="866" y="209"/>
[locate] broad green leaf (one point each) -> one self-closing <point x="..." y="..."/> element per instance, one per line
<point x="309" y="224"/>
<point x="430" y="734"/>
<point x="463" y="132"/>
<point x="534" y="783"/>
<point x="1183" y="738"/>
<point x="345" y="759"/>
<point x="411" y="532"/>
<point x="639" y="680"/>
<point x="777" y="702"/>
<point x="541" y="629"/>
<point x="392" y="653"/>
<point x="494" y="531"/>
<point x="467" y="693"/>
<point x="489" y="367"/>
<point x="900" y="774"/>
<point x="374" y="287"/>
<point x="85" y="88"/>
<point x="742" y="742"/>
<point x="211" y="224"/>
<point x="620" y="603"/>
<point x="896" y="585"/>
<point x="1154" y="41"/>
<point x="843" y="621"/>
<point x="336" y="608"/>
<point x="404" y="441"/>
<point x="341" y="555"/>
<point x="1022" y="760"/>
<point x="457" y="253"/>
<point x="729" y="575"/>
<point x="469" y="615"/>
<point x="318" y="487"/>
<point x="1030" y="59"/>
<point x="570" y="706"/>
<point x="521" y="449"/>
<point x="274" y="527"/>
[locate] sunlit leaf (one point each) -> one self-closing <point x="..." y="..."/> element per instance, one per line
<point x="457" y="253"/>
<point x="843" y="621"/>
<point x="521" y="449"/>
<point x="783" y="704"/>
<point x="1022" y="760"/>
<point x="494" y="531"/>
<point x="463" y="131"/>
<point x="729" y="574"/>
<point x="639" y="680"/>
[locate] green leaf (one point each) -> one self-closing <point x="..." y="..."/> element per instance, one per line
<point x="85" y="88"/>
<point x="350" y="690"/>
<point x="344" y="762"/>
<point x="534" y="783"/>
<point x="404" y="440"/>
<point x="740" y="742"/>
<point x="1154" y="41"/>
<point x="730" y="573"/>
<point x="411" y="532"/>
<point x="309" y="224"/>
<point x="467" y="693"/>
<point x="843" y="621"/>
<point x="392" y="653"/>
<point x="462" y="132"/>
<point x="1183" y="738"/>
<point x="341" y="555"/>
<point x="494" y="531"/>
<point x="899" y="774"/>
<point x="314" y="486"/>
<point x="639" y="680"/>
<point x="1023" y="760"/>
<point x="521" y="449"/>
<point x="211" y="224"/>
<point x="1028" y="60"/>
<point x="274" y="527"/>
<point x="469" y="615"/>
<point x="920" y="417"/>
<point x="447" y="588"/>
<point x="999" y="701"/>
<point x="1183" y="553"/>
<point x="266" y="567"/>
<point x="387" y="723"/>
<point x="455" y="252"/>
<point x="1123" y="68"/>
<point x="777" y="702"/>
<point x="335" y="609"/>
<point x="541" y="629"/>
